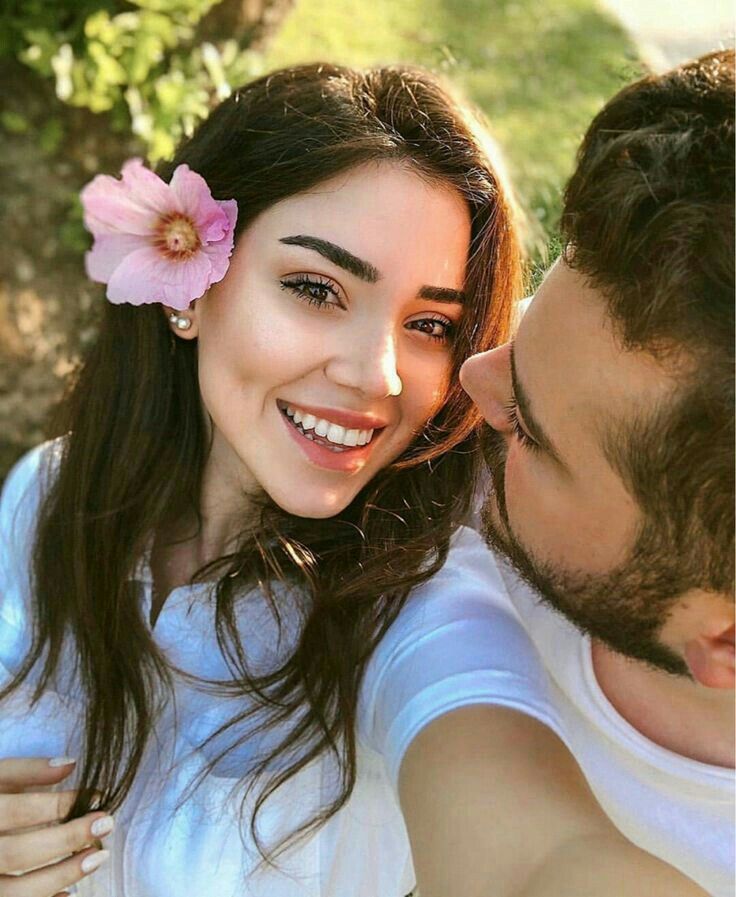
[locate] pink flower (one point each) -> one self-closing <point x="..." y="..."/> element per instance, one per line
<point x="157" y="242"/>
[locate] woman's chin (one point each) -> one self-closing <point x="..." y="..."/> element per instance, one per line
<point x="319" y="506"/>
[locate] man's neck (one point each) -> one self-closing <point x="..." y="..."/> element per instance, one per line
<point x="673" y="712"/>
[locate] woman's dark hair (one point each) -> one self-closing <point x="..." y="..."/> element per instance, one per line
<point x="649" y="216"/>
<point x="136" y="444"/>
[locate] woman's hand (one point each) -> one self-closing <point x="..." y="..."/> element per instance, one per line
<point x="31" y="837"/>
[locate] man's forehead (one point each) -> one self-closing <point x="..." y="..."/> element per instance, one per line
<point x="573" y="365"/>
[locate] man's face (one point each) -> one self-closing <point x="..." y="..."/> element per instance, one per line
<point x="559" y="510"/>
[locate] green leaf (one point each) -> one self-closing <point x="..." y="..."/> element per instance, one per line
<point x="14" y="122"/>
<point x="51" y="135"/>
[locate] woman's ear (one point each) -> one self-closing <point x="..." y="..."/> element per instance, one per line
<point x="184" y="324"/>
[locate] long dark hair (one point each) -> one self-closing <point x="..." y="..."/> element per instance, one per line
<point x="136" y="445"/>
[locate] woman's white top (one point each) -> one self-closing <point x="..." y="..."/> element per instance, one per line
<point x="456" y="642"/>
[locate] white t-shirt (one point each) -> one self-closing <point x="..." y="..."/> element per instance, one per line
<point x="673" y="807"/>
<point x="456" y="642"/>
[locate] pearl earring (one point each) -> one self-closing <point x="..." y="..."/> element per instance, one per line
<point x="179" y="322"/>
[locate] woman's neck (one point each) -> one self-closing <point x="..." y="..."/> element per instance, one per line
<point x="186" y="541"/>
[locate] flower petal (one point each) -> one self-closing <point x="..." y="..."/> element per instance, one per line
<point x="221" y="225"/>
<point x="230" y="208"/>
<point x="149" y="189"/>
<point x="193" y="196"/>
<point x="219" y="256"/>
<point x="108" y="252"/>
<point x="132" y="205"/>
<point x="110" y="209"/>
<point x="214" y="227"/>
<point x="147" y="276"/>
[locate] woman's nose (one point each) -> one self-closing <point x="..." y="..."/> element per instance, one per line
<point x="368" y="365"/>
<point x="486" y="377"/>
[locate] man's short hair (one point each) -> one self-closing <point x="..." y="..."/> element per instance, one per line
<point x="649" y="221"/>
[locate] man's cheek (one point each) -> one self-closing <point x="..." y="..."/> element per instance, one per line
<point x="520" y="497"/>
<point x="519" y="480"/>
<point x="536" y="512"/>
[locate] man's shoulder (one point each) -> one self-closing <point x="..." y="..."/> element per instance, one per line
<point x="471" y="571"/>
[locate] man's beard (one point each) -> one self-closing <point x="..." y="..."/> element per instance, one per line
<point x="624" y="608"/>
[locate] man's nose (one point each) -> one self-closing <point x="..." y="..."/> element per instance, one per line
<point x="370" y="366"/>
<point x="486" y="377"/>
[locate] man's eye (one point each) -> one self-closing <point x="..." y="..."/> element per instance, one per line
<point x="512" y="416"/>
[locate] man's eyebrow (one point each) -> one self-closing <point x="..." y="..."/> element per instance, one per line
<point x="337" y="255"/>
<point x="442" y="294"/>
<point x="533" y="427"/>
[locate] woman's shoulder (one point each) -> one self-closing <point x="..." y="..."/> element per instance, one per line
<point x="26" y="485"/>
<point x="466" y="595"/>
<point x="20" y="501"/>
<point x="457" y="641"/>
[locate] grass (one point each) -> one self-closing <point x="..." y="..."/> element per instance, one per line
<point x="538" y="69"/>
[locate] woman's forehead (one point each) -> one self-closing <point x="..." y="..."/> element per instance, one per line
<point x="385" y="215"/>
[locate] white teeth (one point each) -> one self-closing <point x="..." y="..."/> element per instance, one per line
<point x="336" y="433"/>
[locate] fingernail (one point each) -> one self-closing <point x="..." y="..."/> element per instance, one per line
<point x="71" y="890"/>
<point x="103" y="826"/>
<point x="62" y="761"/>
<point x="95" y="860"/>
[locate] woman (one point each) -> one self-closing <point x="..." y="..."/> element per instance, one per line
<point x="250" y="487"/>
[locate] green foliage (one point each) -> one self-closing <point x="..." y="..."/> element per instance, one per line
<point x="13" y="122"/>
<point x="139" y="61"/>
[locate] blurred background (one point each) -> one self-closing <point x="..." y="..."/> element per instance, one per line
<point x="86" y="84"/>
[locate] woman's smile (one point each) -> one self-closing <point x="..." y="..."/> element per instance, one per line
<point x="326" y="438"/>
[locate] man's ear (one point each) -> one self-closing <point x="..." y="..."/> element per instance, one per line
<point x="184" y="324"/>
<point x="710" y="656"/>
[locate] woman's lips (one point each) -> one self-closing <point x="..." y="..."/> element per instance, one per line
<point x="341" y="458"/>
<point x="351" y="420"/>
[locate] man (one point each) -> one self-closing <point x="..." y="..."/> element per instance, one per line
<point x="610" y="450"/>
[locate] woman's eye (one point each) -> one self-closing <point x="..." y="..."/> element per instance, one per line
<point x="314" y="290"/>
<point x="437" y="329"/>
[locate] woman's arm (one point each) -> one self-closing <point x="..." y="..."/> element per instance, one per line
<point x="496" y="806"/>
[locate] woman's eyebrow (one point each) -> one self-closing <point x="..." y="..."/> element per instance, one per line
<point x="442" y="294"/>
<point x="337" y="255"/>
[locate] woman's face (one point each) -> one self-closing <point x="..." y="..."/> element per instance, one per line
<point x="328" y="345"/>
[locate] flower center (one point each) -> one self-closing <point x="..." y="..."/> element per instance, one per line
<point x="176" y="236"/>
